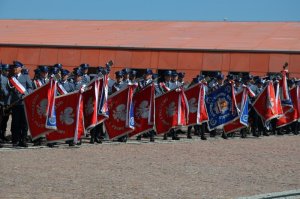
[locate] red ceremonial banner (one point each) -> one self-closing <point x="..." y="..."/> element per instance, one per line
<point x="36" y="108"/>
<point x="143" y="110"/>
<point x="119" y="104"/>
<point x="90" y="104"/>
<point x="102" y="105"/>
<point x="291" y="115"/>
<point x="197" y="109"/>
<point x="266" y="104"/>
<point x="69" y="111"/>
<point x="171" y="111"/>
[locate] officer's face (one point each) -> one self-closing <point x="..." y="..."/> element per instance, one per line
<point x="126" y="76"/>
<point x="148" y="76"/>
<point x="167" y="78"/>
<point x="5" y="72"/>
<point x="44" y="74"/>
<point x="220" y="81"/>
<point x="174" y="78"/>
<point x="86" y="71"/>
<point x="17" y="70"/>
<point x="65" y="77"/>
<point x="119" y="79"/>
<point x="78" y="78"/>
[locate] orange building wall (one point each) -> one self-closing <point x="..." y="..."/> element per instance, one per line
<point x="191" y="62"/>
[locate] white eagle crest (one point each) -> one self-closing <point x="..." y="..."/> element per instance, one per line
<point x="143" y="110"/>
<point x="120" y="113"/>
<point x="89" y="108"/>
<point x="170" y="111"/>
<point x="67" y="116"/>
<point x="193" y="105"/>
<point x="42" y="108"/>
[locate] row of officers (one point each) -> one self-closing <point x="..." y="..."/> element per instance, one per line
<point x="11" y="99"/>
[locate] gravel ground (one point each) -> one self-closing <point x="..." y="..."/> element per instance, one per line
<point x="215" y="168"/>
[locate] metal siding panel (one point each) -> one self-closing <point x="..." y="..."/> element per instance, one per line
<point x="141" y="59"/>
<point x="190" y="61"/>
<point x="259" y="62"/>
<point x="294" y="65"/>
<point x="106" y="55"/>
<point x="8" y="54"/>
<point x="168" y="60"/>
<point x="48" y="56"/>
<point x="239" y="62"/>
<point x="123" y="58"/>
<point x="90" y="56"/>
<point x="154" y="59"/>
<point x="69" y="57"/>
<point x="212" y="61"/>
<point x="277" y="61"/>
<point x="29" y="55"/>
<point x="225" y="61"/>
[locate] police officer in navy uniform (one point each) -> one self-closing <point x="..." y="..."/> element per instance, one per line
<point x="147" y="78"/>
<point x="126" y="73"/>
<point x="4" y="96"/>
<point x="19" y="127"/>
<point x="78" y="79"/>
<point x="85" y="69"/>
<point x="119" y="84"/>
<point x="132" y="76"/>
<point x="68" y="86"/>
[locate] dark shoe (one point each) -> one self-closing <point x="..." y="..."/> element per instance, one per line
<point x="175" y="138"/>
<point x="37" y="143"/>
<point x="266" y="134"/>
<point x="224" y="136"/>
<point x="71" y="143"/>
<point x="23" y="144"/>
<point x="152" y="139"/>
<point x="1" y="146"/>
<point x="165" y="137"/>
<point x="203" y="137"/>
<point x="50" y="145"/>
<point x="139" y="137"/>
<point x="92" y="140"/>
<point x="189" y="136"/>
<point x="98" y="141"/>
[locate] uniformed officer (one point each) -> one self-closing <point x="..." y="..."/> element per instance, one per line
<point x="132" y="76"/>
<point x="85" y="69"/>
<point x="181" y="76"/>
<point x="19" y="126"/>
<point x="174" y="81"/>
<point x="4" y="102"/>
<point x="68" y="86"/>
<point x="119" y="84"/>
<point x="147" y="78"/>
<point x="78" y="80"/>
<point x="126" y="73"/>
<point x="41" y="77"/>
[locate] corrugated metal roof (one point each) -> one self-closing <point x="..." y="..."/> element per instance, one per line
<point x="249" y="36"/>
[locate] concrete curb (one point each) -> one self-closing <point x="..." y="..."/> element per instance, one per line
<point x="292" y="194"/>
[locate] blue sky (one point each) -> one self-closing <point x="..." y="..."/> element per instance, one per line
<point x="208" y="10"/>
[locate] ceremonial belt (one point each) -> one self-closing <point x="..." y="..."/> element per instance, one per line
<point x="61" y="90"/>
<point x="37" y="83"/>
<point x="15" y="83"/>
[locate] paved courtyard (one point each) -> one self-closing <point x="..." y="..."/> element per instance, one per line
<point x="215" y="168"/>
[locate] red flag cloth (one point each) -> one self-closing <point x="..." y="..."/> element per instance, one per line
<point x="120" y="113"/>
<point x="102" y="109"/>
<point x="143" y="102"/>
<point x="69" y="112"/>
<point x="171" y="111"/>
<point x="242" y="101"/>
<point x="90" y="104"/>
<point x="266" y="104"/>
<point x="291" y="115"/>
<point x="197" y="109"/>
<point x="37" y="107"/>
